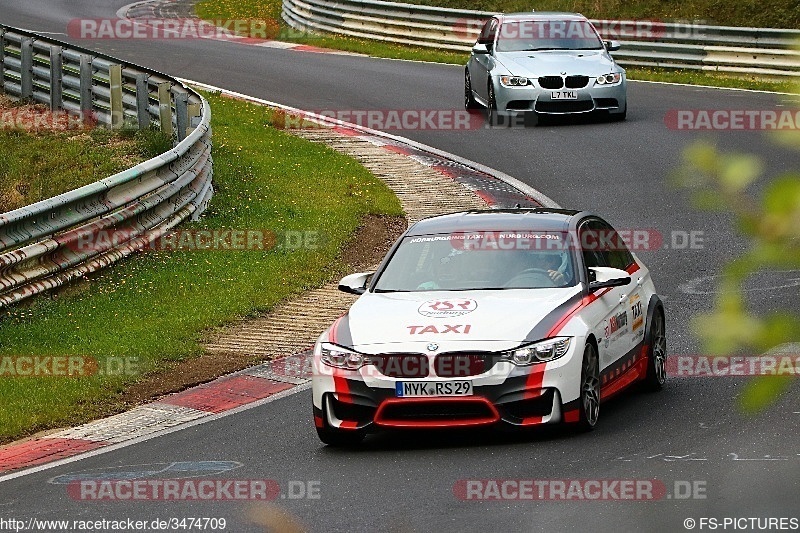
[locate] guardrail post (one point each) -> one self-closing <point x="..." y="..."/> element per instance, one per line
<point x="194" y="112"/>
<point x="181" y="114"/>
<point x="142" y="102"/>
<point x="26" y="68"/>
<point x="165" y="107"/>
<point x="56" y="72"/>
<point x="115" y="84"/>
<point x="87" y="104"/>
<point x="2" y="59"/>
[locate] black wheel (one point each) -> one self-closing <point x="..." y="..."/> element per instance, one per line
<point x="656" y="354"/>
<point x="590" y="389"/>
<point x="469" y="100"/>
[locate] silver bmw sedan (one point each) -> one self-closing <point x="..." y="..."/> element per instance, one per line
<point x="543" y="63"/>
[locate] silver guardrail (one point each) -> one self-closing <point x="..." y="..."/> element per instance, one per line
<point x="759" y="51"/>
<point x="51" y="242"/>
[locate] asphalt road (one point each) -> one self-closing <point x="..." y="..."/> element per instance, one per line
<point x="692" y="431"/>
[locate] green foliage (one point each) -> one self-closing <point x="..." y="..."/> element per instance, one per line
<point x="771" y="224"/>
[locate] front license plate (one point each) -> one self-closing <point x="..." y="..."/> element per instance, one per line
<point x="411" y="389"/>
<point x="565" y="95"/>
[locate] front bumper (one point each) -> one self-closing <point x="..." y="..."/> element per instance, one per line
<point x="543" y="393"/>
<point x="530" y="98"/>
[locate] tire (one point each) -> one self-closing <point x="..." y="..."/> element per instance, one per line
<point x="656" y="354"/>
<point x="590" y="389"/>
<point x="469" y="100"/>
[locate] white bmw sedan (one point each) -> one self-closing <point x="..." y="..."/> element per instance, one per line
<point x="517" y="317"/>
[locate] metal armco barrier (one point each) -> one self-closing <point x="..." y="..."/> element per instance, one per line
<point x="759" y="51"/>
<point x="53" y="241"/>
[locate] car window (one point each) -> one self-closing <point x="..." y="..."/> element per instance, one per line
<point x="593" y="255"/>
<point x="488" y="32"/>
<point x="602" y="246"/>
<point x="533" y="35"/>
<point x="523" y="259"/>
<point x="618" y="255"/>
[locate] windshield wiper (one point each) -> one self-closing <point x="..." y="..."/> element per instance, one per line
<point x="555" y="49"/>
<point x="390" y="290"/>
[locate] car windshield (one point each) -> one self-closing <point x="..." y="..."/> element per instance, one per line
<point x="479" y="261"/>
<point x="532" y="35"/>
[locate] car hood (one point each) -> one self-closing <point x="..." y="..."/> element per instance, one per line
<point x="455" y="321"/>
<point x="553" y="63"/>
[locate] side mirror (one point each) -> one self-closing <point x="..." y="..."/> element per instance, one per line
<point x="601" y="277"/>
<point x="480" y="48"/>
<point x="355" y="283"/>
<point x="612" y="45"/>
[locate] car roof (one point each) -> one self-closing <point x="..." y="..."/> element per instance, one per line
<point x="539" y="219"/>
<point x="541" y="15"/>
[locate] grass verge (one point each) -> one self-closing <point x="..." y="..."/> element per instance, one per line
<point x="271" y="9"/>
<point x="35" y="165"/>
<point x="753" y="13"/>
<point x="154" y="308"/>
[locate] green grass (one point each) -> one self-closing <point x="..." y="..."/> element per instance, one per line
<point x="35" y="166"/>
<point x="779" y="13"/>
<point x="157" y="306"/>
<point x="753" y="13"/>
<point x="696" y="77"/>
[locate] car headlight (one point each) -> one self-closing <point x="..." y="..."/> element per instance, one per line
<point x="339" y="357"/>
<point x="609" y="79"/>
<point x="538" y="352"/>
<point x="513" y="81"/>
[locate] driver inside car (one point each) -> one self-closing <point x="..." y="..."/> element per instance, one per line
<point x="552" y="264"/>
